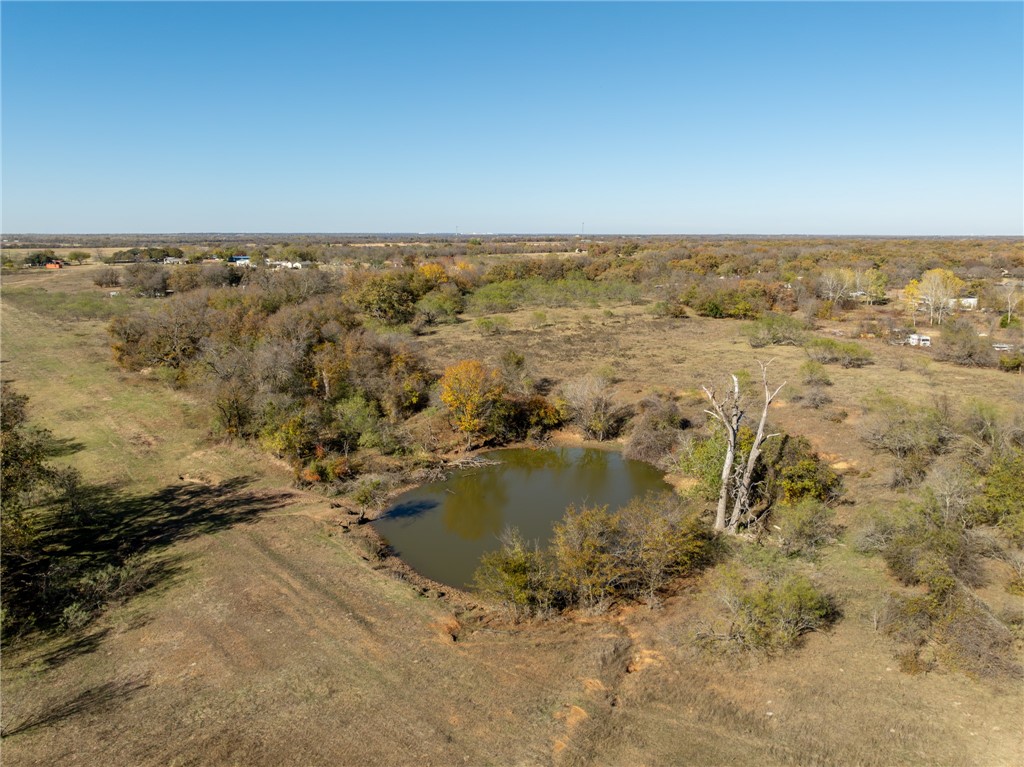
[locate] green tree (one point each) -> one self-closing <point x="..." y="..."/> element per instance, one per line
<point x="388" y="298"/>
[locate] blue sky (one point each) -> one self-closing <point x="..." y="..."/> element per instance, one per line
<point x="806" y="118"/>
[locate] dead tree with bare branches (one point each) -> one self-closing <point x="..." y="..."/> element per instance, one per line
<point x="737" y="485"/>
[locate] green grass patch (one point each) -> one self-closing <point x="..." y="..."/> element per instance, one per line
<point x="68" y="306"/>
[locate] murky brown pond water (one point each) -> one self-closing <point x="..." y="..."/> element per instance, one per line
<point x="443" y="528"/>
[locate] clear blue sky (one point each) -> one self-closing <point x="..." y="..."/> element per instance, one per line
<point x="843" y="118"/>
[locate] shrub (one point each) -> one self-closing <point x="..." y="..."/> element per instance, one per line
<point x="591" y="407"/>
<point x="371" y="492"/>
<point x="504" y="296"/>
<point x="655" y="431"/>
<point x="964" y="632"/>
<point x="971" y="639"/>
<point x="146" y="279"/>
<point x="584" y="551"/>
<point x="517" y="576"/>
<point x="816" y="398"/>
<point x="441" y="305"/>
<point x="492" y="326"/>
<point x="515" y="373"/>
<point x="961" y="345"/>
<point x="107" y="277"/>
<point x="741" y="299"/>
<point x="788" y="470"/>
<point x="1001" y="502"/>
<point x="596" y="556"/>
<point x="1011" y="363"/>
<point x="922" y="545"/>
<point x="815" y="374"/>
<point x="848" y="354"/>
<point x="912" y="434"/>
<point x="702" y="458"/>
<point x="804" y="526"/>
<point x="805" y="476"/>
<point x="776" y="330"/>
<point x="768" y="611"/>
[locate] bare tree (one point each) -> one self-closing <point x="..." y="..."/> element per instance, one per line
<point x="938" y="290"/>
<point x="1010" y="292"/>
<point x="736" y="485"/>
<point x="835" y="284"/>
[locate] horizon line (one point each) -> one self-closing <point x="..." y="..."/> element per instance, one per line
<point x="460" y="235"/>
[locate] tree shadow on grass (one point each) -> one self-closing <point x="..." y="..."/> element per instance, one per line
<point x="80" y="643"/>
<point x="114" y="524"/>
<point x="112" y="545"/>
<point x="93" y="699"/>
<point x="61" y="447"/>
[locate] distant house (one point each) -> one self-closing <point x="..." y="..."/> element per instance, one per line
<point x="967" y="303"/>
<point x="916" y="339"/>
<point x="174" y="260"/>
<point x="54" y="265"/>
<point x="1002" y="347"/>
<point x="239" y="260"/>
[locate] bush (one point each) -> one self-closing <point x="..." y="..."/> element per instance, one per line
<point x="912" y="434"/>
<point x="442" y="305"/>
<point x="816" y="398"/>
<point x="146" y="279"/>
<point x="741" y="299"/>
<point x="804" y="527"/>
<point x="655" y="431"/>
<point x="971" y="639"/>
<point x="1011" y="363"/>
<point x="789" y="469"/>
<point x="492" y="326"/>
<point x="702" y="459"/>
<point x="815" y="374"/>
<point x="768" y="611"/>
<point x="107" y="277"/>
<point x="597" y="556"/>
<point x="591" y="407"/>
<point x="776" y="330"/>
<point x="965" y="634"/>
<point x="847" y="354"/>
<point x="1001" y="502"/>
<point x="961" y="345"/>
<point x="805" y="476"/>
<point x="517" y="576"/>
<point x="922" y="545"/>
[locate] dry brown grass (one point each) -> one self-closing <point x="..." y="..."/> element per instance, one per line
<point x="280" y="642"/>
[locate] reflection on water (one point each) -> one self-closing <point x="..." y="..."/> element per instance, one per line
<point x="475" y="503"/>
<point x="442" y="529"/>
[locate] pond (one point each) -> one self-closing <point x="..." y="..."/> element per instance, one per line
<point x="443" y="528"/>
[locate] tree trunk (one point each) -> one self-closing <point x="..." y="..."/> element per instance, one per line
<point x="742" y="495"/>
<point x="731" y="422"/>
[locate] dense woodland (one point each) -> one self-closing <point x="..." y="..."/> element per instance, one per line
<point x="320" y="367"/>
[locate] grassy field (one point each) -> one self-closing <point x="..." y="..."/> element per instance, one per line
<point x="276" y="639"/>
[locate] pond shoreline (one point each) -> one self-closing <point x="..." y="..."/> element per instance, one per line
<point x="379" y="554"/>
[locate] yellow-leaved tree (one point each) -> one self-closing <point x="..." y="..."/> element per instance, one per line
<point x="471" y="391"/>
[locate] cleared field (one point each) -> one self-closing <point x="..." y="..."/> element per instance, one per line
<point x="275" y="639"/>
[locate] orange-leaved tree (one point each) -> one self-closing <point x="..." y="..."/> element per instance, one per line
<point x="471" y="391"/>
